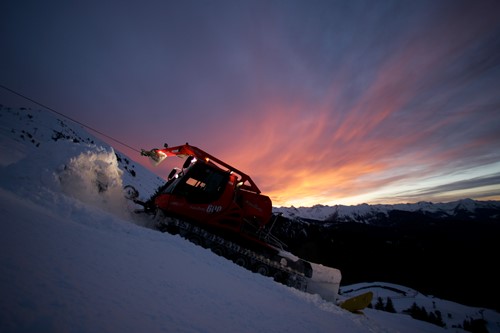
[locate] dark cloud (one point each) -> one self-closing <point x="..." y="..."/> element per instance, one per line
<point x="466" y="184"/>
<point x="482" y="187"/>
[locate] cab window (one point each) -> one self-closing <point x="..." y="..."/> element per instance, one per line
<point x="203" y="184"/>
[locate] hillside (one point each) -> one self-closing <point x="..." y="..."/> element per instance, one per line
<point x="74" y="258"/>
<point x="437" y="248"/>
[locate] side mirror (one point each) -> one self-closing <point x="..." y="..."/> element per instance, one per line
<point x="172" y="174"/>
<point x="187" y="162"/>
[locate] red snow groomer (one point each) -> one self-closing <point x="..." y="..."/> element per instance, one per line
<point x="214" y="194"/>
<point x="217" y="206"/>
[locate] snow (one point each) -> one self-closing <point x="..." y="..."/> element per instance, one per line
<point x="359" y="212"/>
<point x="75" y="259"/>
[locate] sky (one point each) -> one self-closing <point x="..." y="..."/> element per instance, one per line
<point x="320" y="102"/>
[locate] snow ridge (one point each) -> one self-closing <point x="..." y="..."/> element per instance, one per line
<point x="364" y="212"/>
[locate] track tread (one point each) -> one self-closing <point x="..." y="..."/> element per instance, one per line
<point x="254" y="260"/>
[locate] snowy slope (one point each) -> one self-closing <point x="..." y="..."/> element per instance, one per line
<point x="73" y="258"/>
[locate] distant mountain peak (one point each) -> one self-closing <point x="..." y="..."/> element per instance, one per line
<point x="365" y="213"/>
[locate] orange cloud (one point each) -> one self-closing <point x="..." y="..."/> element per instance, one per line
<point x="395" y="124"/>
<point x="298" y="151"/>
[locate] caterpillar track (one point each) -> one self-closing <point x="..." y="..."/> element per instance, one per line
<point x="281" y="269"/>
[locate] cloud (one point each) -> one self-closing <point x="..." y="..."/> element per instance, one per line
<point x="478" y="187"/>
<point x="317" y="102"/>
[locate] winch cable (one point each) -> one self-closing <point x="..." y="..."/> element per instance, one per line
<point x="69" y="118"/>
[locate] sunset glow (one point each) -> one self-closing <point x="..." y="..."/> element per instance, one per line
<point x="341" y="102"/>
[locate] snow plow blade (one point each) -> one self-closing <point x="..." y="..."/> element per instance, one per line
<point x="324" y="281"/>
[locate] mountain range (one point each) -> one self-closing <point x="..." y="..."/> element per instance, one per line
<point x="422" y="245"/>
<point x="465" y="209"/>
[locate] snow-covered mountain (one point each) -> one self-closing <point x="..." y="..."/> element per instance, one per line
<point x="364" y="213"/>
<point x="75" y="258"/>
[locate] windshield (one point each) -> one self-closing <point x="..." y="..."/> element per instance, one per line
<point x="201" y="183"/>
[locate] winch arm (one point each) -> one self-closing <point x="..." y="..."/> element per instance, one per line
<point x="158" y="155"/>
